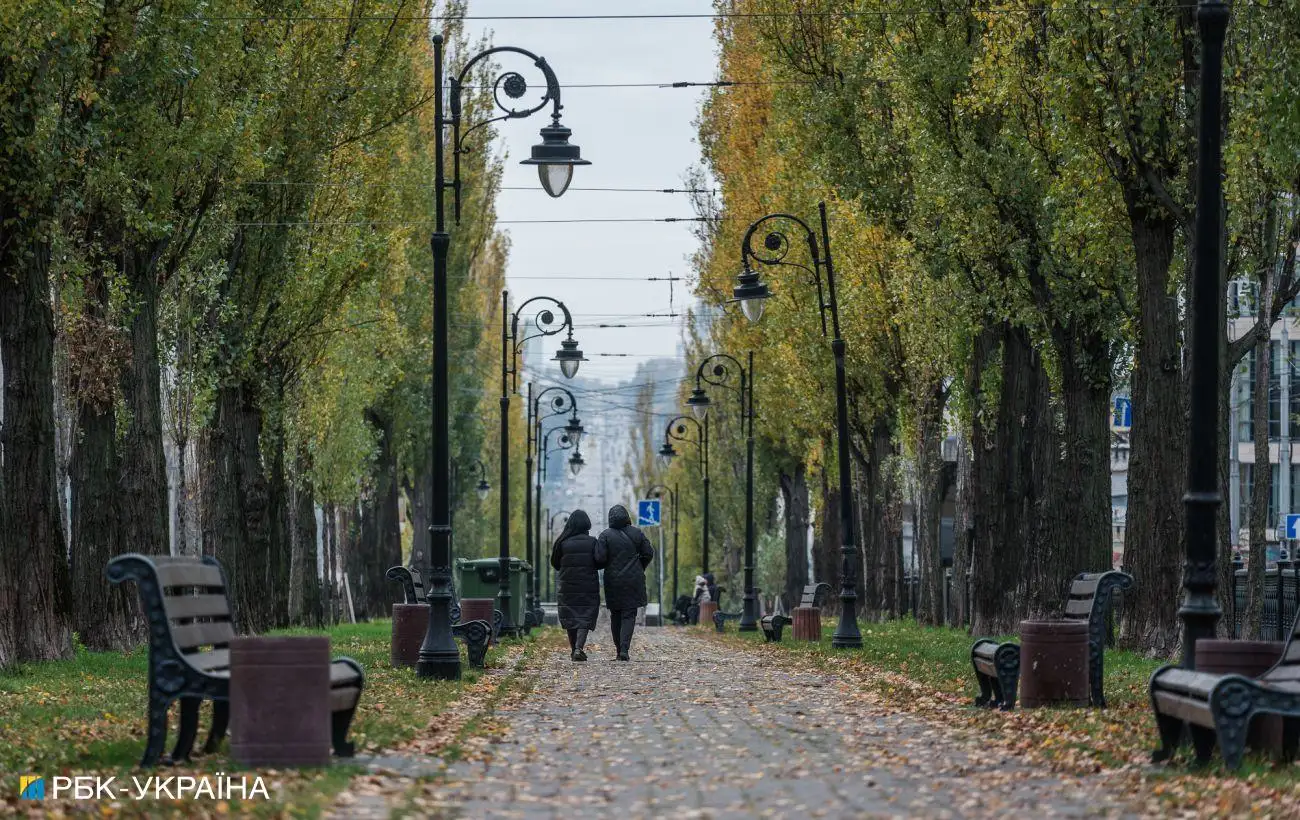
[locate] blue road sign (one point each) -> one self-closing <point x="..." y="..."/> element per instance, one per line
<point x="1121" y="415"/>
<point x="1293" y="527"/>
<point x="647" y="513"/>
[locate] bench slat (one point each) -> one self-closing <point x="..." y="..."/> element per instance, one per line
<point x="1185" y="680"/>
<point x="192" y="635"/>
<point x="1289" y="672"/>
<point x="344" y="698"/>
<point x="341" y="673"/>
<point x="1185" y="708"/>
<point x="189" y="574"/>
<point x="1078" y="608"/>
<point x="1084" y="589"/>
<point x="210" y="661"/>
<point x="196" y="606"/>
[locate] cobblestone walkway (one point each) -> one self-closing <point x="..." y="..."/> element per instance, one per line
<point x="627" y="740"/>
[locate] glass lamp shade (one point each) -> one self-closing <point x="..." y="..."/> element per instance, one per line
<point x="753" y="309"/>
<point x="555" y="178"/>
<point x="699" y="403"/>
<point x="569" y="357"/>
<point x="666" y="454"/>
<point x="555" y="158"/>
<point x="573" y="431"/>
<point x="576" y="463"/>
<point x="751" y="293"/>
<point x="483" y="489"/>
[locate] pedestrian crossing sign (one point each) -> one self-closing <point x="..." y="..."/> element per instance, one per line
<point x="647" y="513"/>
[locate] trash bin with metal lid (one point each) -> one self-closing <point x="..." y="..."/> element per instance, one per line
<point x="481" y="578"/>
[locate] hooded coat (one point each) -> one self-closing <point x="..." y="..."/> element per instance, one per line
<point x="578" y="584"/>
<point x="623" y="552"/>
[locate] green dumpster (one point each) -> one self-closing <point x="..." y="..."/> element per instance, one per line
<point x="481" y="578"/>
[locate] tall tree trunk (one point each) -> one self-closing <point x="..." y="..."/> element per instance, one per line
<point x="963" y="531"/>
<point x="104" y="616"/>
<point x="1007" y="495"/>
<point x="329" y="518"/>
<point x="35" y="598"/>
<point x="826" y="548"/>
<point x="794" y="494"/>
<point x="1260" y="494"/>
<point x="304" y="573"/>
<point x="929" y="504"/>
<point x="143" y="467"/>
<point x="866" y="486"/>
<point x="278" y="523"/>
<point x="381" y="542"/>
<point x="235" y="520"/>
<point x="886" y="523"/>
<point x="1157" y="465"/>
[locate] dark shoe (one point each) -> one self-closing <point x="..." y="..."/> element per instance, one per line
<point x="622" y="656"/>
<point x="579" y="655"/>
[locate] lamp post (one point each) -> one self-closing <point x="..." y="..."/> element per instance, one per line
<point x="550" y="536"/>
<point x="557" y="405"/>
<point x="720" y="375"/>
<point x="555" y="159"/>
<point x="1200" y="610"/>
<point x="751" y="293"/>
<point x="544" y="322"/>
<point x="483" y="488"/>
<point x="676" y="431"/>
<point x="655" y="492"/>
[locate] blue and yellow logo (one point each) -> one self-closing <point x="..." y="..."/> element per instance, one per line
<point x="31" y="787"/>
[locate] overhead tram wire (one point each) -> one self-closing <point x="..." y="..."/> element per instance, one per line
<point x="426" y="222"/>
<point x="733" y="15"/>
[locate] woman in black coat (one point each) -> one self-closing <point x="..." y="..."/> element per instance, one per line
<point x="578" y="586"/>
<point x="623" y="552"/>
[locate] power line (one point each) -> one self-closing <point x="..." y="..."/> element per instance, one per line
<point x="426" y="222"/>
<point x="872" y="13"/>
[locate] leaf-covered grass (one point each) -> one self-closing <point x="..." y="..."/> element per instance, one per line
<point x="927" y="670"/>
<point x="87" y="716"/>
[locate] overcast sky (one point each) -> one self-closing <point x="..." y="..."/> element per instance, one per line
<point x="635" y="138"/>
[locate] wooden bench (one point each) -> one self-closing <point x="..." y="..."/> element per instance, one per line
<point x="190" y="627"/>
<point x="806" y="617"/>
<point x="720" y="618"/>
<point x="1211" y="706"/>
<point x="412" y="585"/>
<point x="997" y="665"/>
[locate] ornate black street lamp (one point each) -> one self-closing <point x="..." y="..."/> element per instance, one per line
<point x="1200" y="610"/>
<point x="544" y="322"/>
<point x="557" y="405"/>
<point x="751" y="293"/>
<point x="676" y="431"/>
<point x="655" y="492"/>
<point x="720" y="375"/>
<point x="550" y="539"/>
<point x="555" y="157"/>
<point x="566" y="442"/>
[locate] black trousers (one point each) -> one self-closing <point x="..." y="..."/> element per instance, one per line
<point x="622" y="622"/>
<point x="577" y="639"/>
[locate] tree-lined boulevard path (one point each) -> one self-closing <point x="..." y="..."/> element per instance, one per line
<point x="690" y="728"/>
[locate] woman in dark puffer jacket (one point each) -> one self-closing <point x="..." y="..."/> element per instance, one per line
<point x="578" y="586"/>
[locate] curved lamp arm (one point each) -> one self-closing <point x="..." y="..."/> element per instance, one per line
<point x="545" y="323"/>
<point x="775" y="248"/>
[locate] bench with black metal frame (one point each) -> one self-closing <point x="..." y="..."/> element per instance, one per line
<point x="1214" y="707"/>
<point x="772" y="625"/>
<point x="191" y="623"/>
<point x="997" y="665"/>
